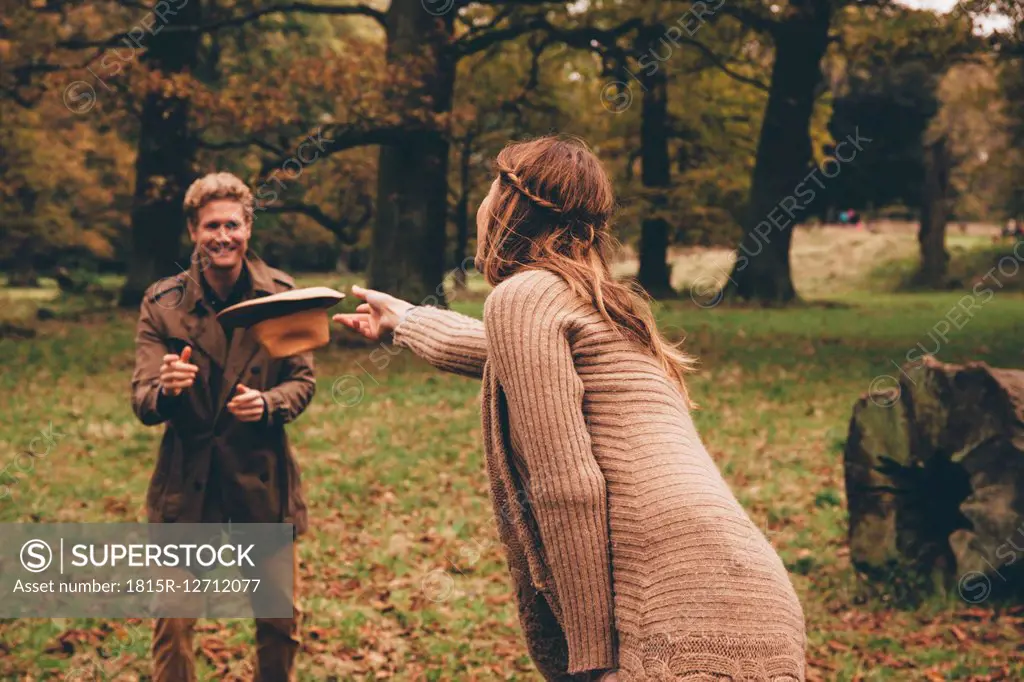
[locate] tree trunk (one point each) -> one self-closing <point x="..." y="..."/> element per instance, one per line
<point x="164" y="165"/>
<point x="762" y="270"/>
<point x="934" y="215"/>
<point x="23" y="275"/>
<point x="408" y="247"/>
<point x="654" y="273"/>
<point x="462" y="212"/>
<point x="23" y="268"/>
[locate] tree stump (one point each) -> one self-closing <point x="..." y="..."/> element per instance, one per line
<point x="935" y="478"/>
<point x="24" y="277"/>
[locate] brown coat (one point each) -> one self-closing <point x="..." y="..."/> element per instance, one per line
<point x="258" y="478"/>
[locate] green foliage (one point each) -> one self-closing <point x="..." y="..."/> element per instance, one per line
<point x="63" y="189"/>
<point x="260" y="87"/>
<point x="886" y="72"/>
<point x="1011" y="78"/>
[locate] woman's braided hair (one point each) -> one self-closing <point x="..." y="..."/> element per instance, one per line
<point x="511" y="178"/>
<point x="552" y="209"/>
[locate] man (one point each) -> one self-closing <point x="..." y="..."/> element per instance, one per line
<point x="224" y="455"/>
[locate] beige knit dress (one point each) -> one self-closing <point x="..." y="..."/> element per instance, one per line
<point x="627" y="548"/>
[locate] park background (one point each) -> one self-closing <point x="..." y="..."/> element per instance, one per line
<point x="367" y="133"/>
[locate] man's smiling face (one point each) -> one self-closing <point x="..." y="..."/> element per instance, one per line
<point x="221" y="232"/>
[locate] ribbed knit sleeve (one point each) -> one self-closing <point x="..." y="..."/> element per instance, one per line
<point x="528" y="322"/>
<point x="446" y="339"/>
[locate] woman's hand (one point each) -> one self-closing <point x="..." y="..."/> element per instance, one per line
<point x="377" y="318"/>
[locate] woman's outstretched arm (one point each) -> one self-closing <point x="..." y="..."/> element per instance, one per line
<point x="527" y="320"/>
<point x="444" y="338"/>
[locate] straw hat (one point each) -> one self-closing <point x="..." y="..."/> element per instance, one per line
<point x="287" y="323"/>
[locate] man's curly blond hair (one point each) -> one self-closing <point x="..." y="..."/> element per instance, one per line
<point x="217" y="186"/>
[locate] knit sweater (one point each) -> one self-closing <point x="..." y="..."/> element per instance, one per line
<point x="627" y="548"/>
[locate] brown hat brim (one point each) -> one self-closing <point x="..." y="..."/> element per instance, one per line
<point x="252" y="312"/>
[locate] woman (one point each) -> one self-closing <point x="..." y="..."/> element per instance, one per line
<point x="631" y="557"/>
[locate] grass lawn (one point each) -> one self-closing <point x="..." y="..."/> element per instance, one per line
<point x="403" y="575"/>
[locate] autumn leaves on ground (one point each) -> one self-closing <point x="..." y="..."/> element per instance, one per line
<point x="402" y="574"/>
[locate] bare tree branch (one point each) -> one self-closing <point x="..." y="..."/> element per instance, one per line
<point x="240" y="144"/>
<point x="602" y="40"/>
<point x="337" y="138"/>
<point x="347" y="231"/>
<point x="303" y="8"/>
<point x="240" y="20"/>
<point x="136" y="4"/>
<point x="520" y="3"/>
<point x="487" y="36"/>
<point x="750" y="17"/>
<point x="720" y="62"/>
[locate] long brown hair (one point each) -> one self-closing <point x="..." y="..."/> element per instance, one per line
<point x="553" y="211"/>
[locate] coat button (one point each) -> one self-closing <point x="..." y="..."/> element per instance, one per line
<point x="199" y="485"/>
<point x="264" y="477"/>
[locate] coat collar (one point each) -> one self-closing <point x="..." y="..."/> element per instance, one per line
<point x="260" y="277"/>
<point x="260" y="274"/>
<point x="204" y="330"/>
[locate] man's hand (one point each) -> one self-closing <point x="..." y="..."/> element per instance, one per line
<point x="248" y="404"/>
<point x="176" y="373"/>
